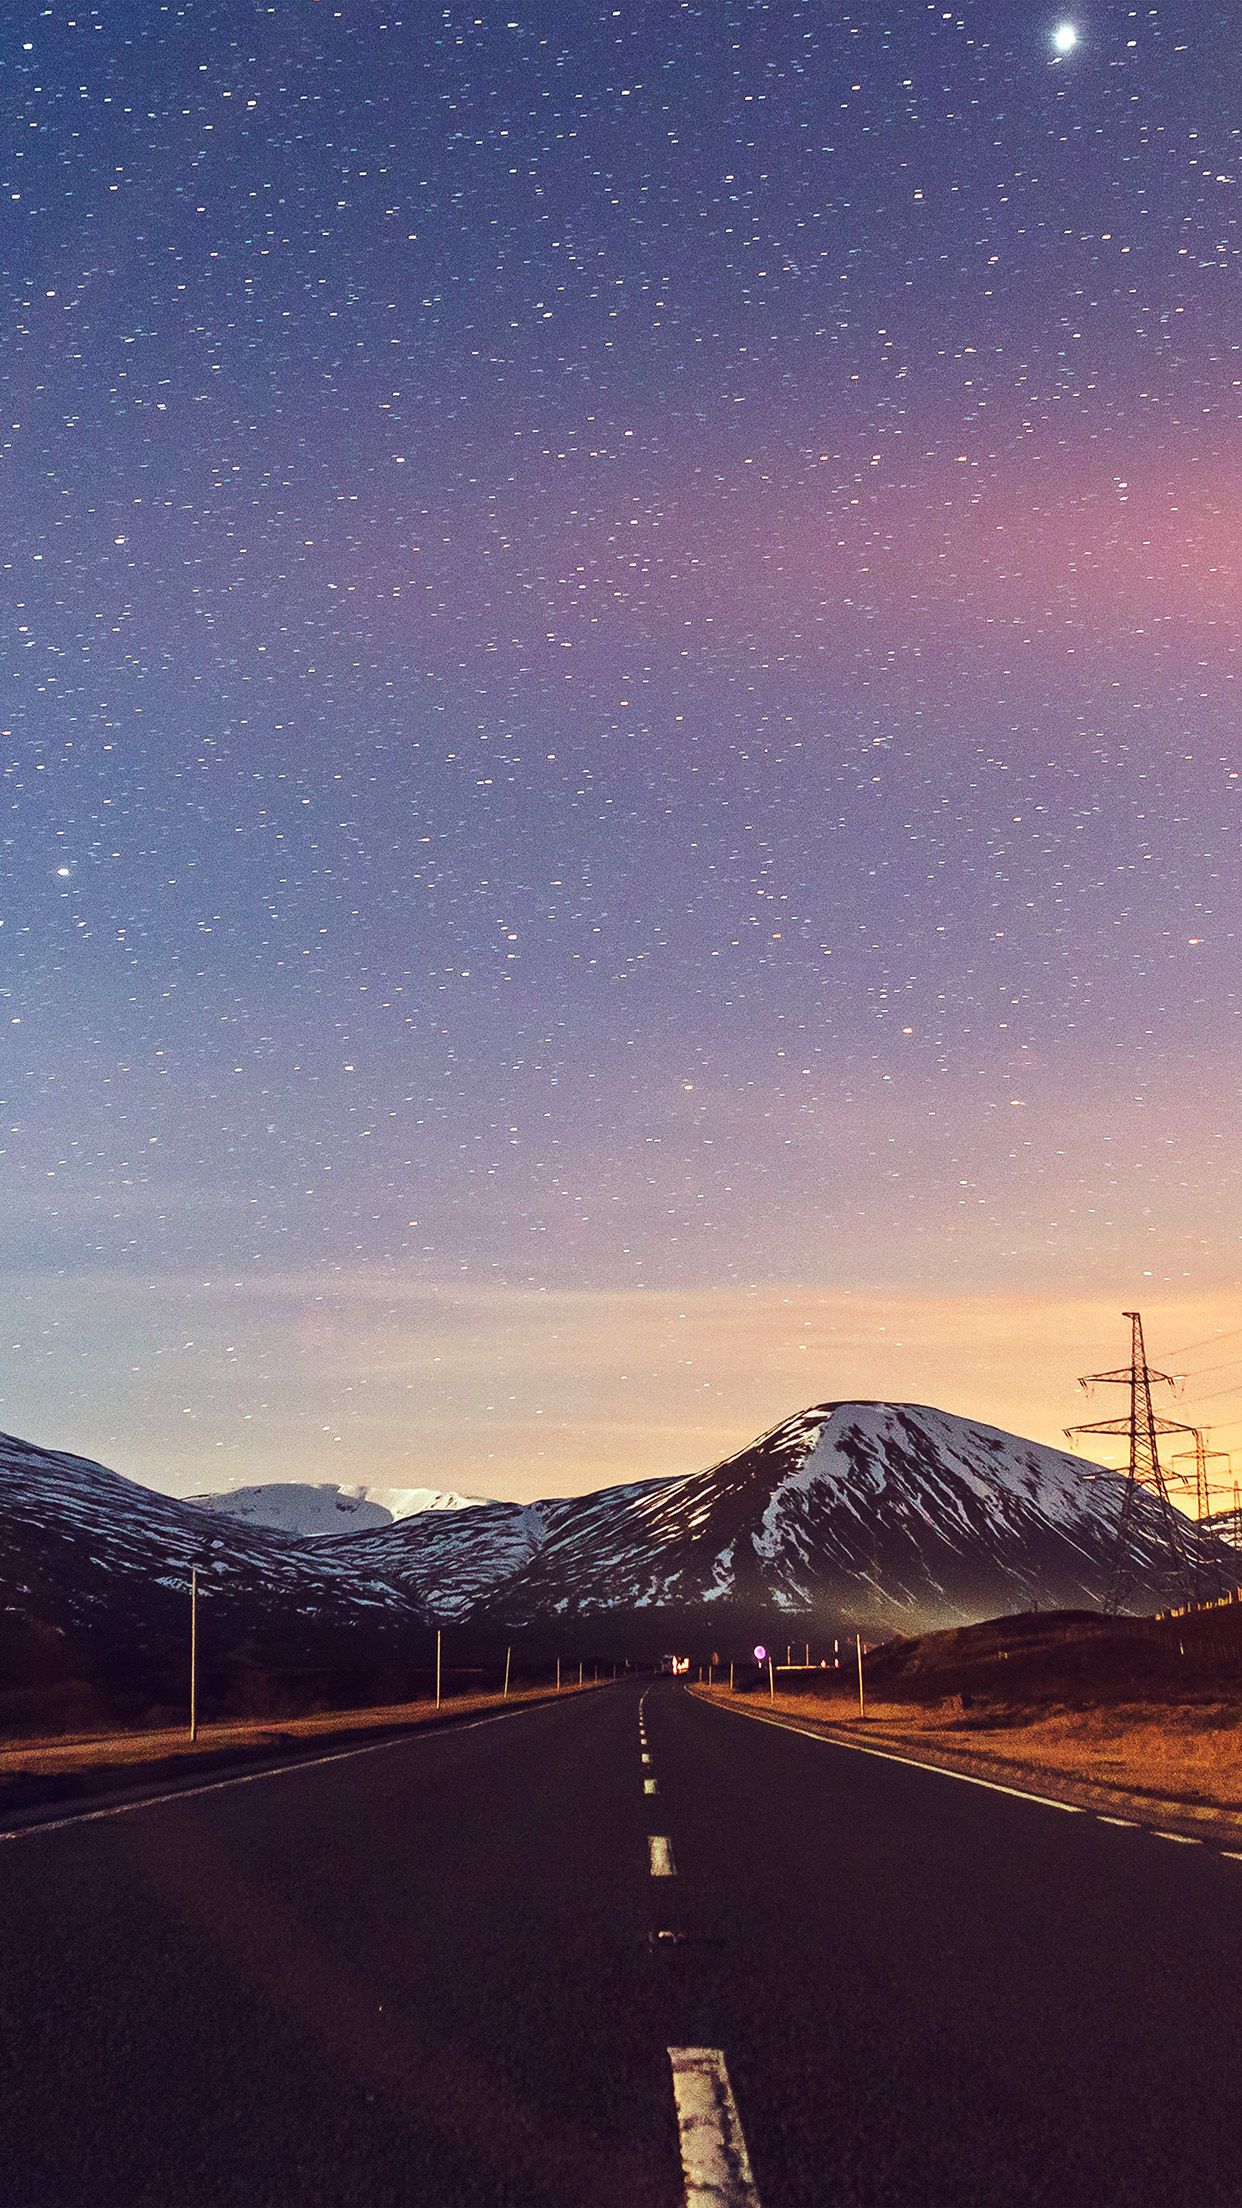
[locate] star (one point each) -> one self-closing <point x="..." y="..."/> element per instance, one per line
<point x="1065" y="38"/>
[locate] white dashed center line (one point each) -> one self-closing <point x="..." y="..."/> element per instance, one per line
<point x="1183" y="1839"/>
<point x="661" y="1856"/>
<point x="649" y="1786"/>
<point x="714" y="2161"/>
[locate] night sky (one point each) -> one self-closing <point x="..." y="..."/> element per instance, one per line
<point x="619" y="724"/>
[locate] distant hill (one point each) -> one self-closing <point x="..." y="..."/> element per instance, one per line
<point x="289" y="1506"/>
<point x="1058" y="1657"/>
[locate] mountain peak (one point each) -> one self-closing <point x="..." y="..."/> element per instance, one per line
<point x="884" y="1516"/>
<point x="324" y="1509"/>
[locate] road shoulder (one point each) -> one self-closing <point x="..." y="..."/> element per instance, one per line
<point x="1168" y="1814"/>
<point x="39" y="1781"/>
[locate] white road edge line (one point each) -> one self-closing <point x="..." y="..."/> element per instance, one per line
<point x="661" y="1856"/>
<point x="714" y="2161"/>
<point x="887" y="1755"/>
<point x="252" y="1778"/>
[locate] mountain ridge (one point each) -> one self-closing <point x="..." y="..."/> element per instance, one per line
<point x="852" y="1515"/>
<point x="886" y="1513"/>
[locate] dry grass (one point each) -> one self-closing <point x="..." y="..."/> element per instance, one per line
<point x="128" y="1752"/>
<point x="1180" y="1761"/>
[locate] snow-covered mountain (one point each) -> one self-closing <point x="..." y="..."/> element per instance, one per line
<point x="1227" y="1526"/>
<point x="888" y="1517"/>
<point x="95" y="1576"/>
<point x="291" y="1506"/>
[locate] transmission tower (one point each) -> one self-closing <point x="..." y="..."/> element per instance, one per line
<point x="1208" y="1574"/>
<point x="1145" y="1470"/>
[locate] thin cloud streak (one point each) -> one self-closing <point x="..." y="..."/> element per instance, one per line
<point x="521" y="1392"/>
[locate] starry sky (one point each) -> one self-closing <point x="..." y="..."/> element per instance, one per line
<point x="618" y="724"/>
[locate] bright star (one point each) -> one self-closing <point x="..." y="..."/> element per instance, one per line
<point x="1065" y="38"/>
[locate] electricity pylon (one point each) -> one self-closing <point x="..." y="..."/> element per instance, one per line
<point x="1201" y="1456"/>
<point x="1145" y="1470"/>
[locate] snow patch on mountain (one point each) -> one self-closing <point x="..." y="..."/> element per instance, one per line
<point x="312" y="1512"/>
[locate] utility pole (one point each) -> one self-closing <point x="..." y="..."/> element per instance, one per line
<point x="508" y="1655"/>
<point x="194" y="1652"/>
<point x="1142" y="1426"/>
<point x="1201" y="1456"/>
<point x="862" y="1702"/>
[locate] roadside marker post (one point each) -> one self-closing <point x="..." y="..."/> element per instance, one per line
<point x="438" y="1673"/>
<point x="558" y="1674"/>
<point x="194" y="1652"/>
<point x="862" y="1703"/>
<point x="771" y="1682"/>
<point x="508" y="1655"/>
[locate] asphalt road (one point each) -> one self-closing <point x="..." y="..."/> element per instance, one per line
<point x="428" y="1974"/>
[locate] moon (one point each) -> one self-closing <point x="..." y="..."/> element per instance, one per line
<point x="1065" y="38"/>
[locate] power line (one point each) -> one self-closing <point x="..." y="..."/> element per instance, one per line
<point x="1218" y="1394"/>
<point x="1227" y="1334"/>
<point x="1201" y="1372"/>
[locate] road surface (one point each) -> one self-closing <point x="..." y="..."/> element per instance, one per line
<point x="433" y="1975"/>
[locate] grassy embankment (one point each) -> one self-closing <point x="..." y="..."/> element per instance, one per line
<point x="1183" y="1763"/>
